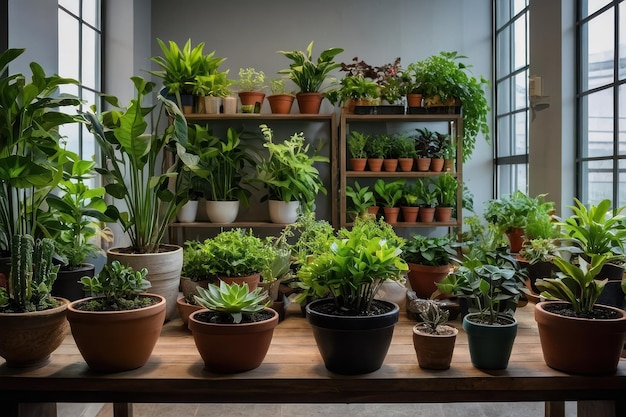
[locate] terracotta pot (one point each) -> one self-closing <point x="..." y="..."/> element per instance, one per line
<point x="391" y="214"/>
<point x="578" y="345"/>
<point x="358" y="164"/>
<point x="163" y="267"/>
<point x="280" y="103"/>
<point x="434" y="351"/>
<point x="436" y="164"/>
<point x="516" y="239"/>
<point x="414" y="100"/>
<point x="423" y="164"/>
<point x="390" y="165"/>
<point x="189" y="288"/>
<point x="427" y="214"/>
<point x="115" y="341"/>
<point x="373" y="210"/>
<point x="222" y="211"/>
<point x="309" y="103"/>
<point x="375" y="164"/>
<point x="185" y="309"/>
<point x="28" y="339"/>
<point x="251" y="101"/>
<point x="252" y="280"/>
<point x="423" y="278"/>
<point x="409" y="213"/>
<point x="406" y="164"/>
<point x="443" y="214"/>
<point x="228" y="348"/>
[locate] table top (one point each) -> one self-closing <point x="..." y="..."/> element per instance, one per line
<point x="293" y="372"/>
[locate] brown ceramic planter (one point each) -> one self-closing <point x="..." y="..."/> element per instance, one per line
<point x="358" y="164"/>
<point x="423" y="278"/>
<point x="406" y="164"/>
<point x="391" y="214"/>
<point x="390" y="165"/>
<point x="375" y="164"/>
<point x="409" y="213"/>
<point x="252" y="280"/>
<point x="423" y="164"/>
<point x="434" y="351"/>
<point x="427" y="214"/>
<point x="252" y="98"/>
<point x="516" y="239"/>
<point x="185" y="309"/>
<point x="309" y="103"/>
<point x="280" y="103"/>
<point x="443" y="214"/>
<point x="436" y="164"/>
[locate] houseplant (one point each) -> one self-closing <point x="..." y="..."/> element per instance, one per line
<point x="32" y="322"/>
<point x="130" y="170"/>
<point x="425" y="147"/>
<point x="352" y="329"/>
<point x="445" y="187"/>
<point x="410" y="201"/>
<point x="362" y="199"/>
<point x="375" y="151"/>
<point x="309" y="75"/>
<point x="577" y="335"/>
<point x="280" y="100"/>
<point x="405" y="148"/>
<point x="289" y="174"/>
<point x="429" y="260"/>
<point x="389" y="193"/>
<point x="433" y="338"/>
<point x="357" y="141"/>
<point x="251" y="85"/>
<point x="116" y="329"/>
<point x="443" y="77"/>
<point x="235" y="330"/>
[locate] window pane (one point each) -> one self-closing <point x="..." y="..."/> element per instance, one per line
<point x="592" y="6"/>
<point x="599" y="51"/>
<point x="521" y="134"/>
<point x="505" y="96"/>
<point x="621" y="186"/>
<point x="621" y="136"/>
<point x="91" y="13"/>
<point x="512" y="178"/>
<point x="521" y="90"/>
<point x="504" y="50"/>
<point x="71" y="5"/>
<point x="521" y="58"/>
<point x="90" y="54"/>
<point x="68" y="46"/>
<point x="69" y="133"/>
<point x="622" y="41"/>
<point x="598" y="131"/>
<point x="598" y="181"/>
<point x="504" y="131"/>
<point x="519" y="5"/>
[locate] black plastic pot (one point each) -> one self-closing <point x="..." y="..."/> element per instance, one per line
<point x="67" y="284"/>
<point x="352" y="345"/>
<point x="612" y="294"/>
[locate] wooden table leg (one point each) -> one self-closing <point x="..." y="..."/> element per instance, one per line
<point x="122" y="409"/>
<point x="555" y="409"/>
<point x="596" y="409"/>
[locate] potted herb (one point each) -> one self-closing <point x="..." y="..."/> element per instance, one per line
<point x="234" y="330"/>
<point x="405" y="149"/>
<point x="280" y="100"/>
<point x="433" y="338"/>
<point x="446" y="187"/>
<point x="116" y="329"/>
<point x="429" y="260"/>
<point x="359" y="94"/>
<point x="352" y="293"/>
<point x="309" y="75"/>
<point x="357" y="141"/>
<point x="577" y="335"/>
<point x="375" y="150"/>
<point x="251" y="85"/>
<point x="32" y="321"/>
<point x="362" y="199"/>
<point x="289" y="174"/>
<point x="389" y="192"/>
<point x="428" y="198"/>
<point x="130" y="168"/>
<point x="410" y="200"/>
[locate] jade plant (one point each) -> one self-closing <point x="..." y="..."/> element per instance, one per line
<point x="231" y="302"/>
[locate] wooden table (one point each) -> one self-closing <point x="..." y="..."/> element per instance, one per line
<point x="293" y="372"/>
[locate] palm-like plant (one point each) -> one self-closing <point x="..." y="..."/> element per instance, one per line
<point x="307" y="74"/>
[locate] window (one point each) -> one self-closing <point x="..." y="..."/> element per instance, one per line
<point x="511" y="108"/>
<point x="80" y="46"/>
<point x="601" y="101"/>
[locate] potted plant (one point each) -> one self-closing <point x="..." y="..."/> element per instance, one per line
<point x="31" y="158"/>
<point x="389" y="192"/>
<point x="445" y="187"/>
<point x="280" y="100"/>
<point x="362" y="199"/>
<point x="405" y="149"/>
<point x="446" y="151"/>
<point x="428" y="198"/>
<point x="352" y="329"/>
<point x="116" y="329"/>
<point x="289" y="174"/>
<point x="357" y="141"/>
<point x="490" y="280"/>
<point x="309" y="75"/>
<point x="375" y="151"/>
<point x="391" y="153"/>
<point x="425" y="147"/>
<point x="78" y="216"/>
<point x="410" y="201"/>
<point x="210" y="86"/>
<point x="234" y="330"/>
<point x="32" y="321"/>
<point x="577" y="335"/>
<point x="429" y="260"/>
<point x="130" y="170"/>
<point x="251" y="85"/>
<point x="442" y="79"/>
<point x="359" y="94"/>
<point x="433" y="338"/>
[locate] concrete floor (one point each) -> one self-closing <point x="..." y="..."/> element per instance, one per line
<point x="317" y="410"/>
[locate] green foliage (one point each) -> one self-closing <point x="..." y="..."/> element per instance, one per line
<point x="389" y="192"/>
<point x="514" y="210"/>
<point x="32" y="276"/>
<point x="375" y="146"/>
<point x="357" y="142"/>
<point x="31" y="158"/>
<point x="120" y="287"/>
<point x="362" y="198"/>
<point x="404" y="145"/>
<point x="412" y="193"/>
<point x="433" y="316"/>
<point x="232" y="253"/>
<point x="355" y="266"/>
<point x="426" y="143"/>
<point x="277" y="86"/>
<point x="307" y="74"/>
<point x="542" y="250"/>
<point x="446" y="187"/>
<point x="251" y="80"/>
<point x="288" y="171"/>
<point x="231" y="299"/>
<point x="132" y="158"/>
<point x="354" y="88"/>
<point x="577" y="285"/>
<point x="425" y="250"/>
<point x="446" y="146"/>
<point x="314" y="237"/>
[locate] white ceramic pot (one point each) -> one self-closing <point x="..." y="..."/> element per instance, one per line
<point x="212" y="104"/>
<point x="187" y="213"/>
<point x="222" y="211"/>
<point x="283" y="212"/>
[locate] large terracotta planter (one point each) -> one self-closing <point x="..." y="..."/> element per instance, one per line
<point x="426" y="214"/>
<point x="309" y="103"/>
<point x="28" y="339"/>
<point x="490" y="346"/>
<point x="578" y="345"/>
<point x="115" y="341"/>
<point x="423" y="278"/>
<point x="163" y="271"/>
<point x="436" y="164"/>
<point x="228" y="348"/>
<point x="434" y="351"/>
<point x="423" y="164"/>
<point x="280" y="103"/>
<point x="352" y="344"/>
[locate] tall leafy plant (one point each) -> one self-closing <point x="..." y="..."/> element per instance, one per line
<point x="131" y="171"/>
<point x="309" y="74"/>
<point x="31" y="159"/>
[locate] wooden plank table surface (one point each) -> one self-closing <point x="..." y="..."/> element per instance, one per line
<point x="293" y="372"/>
